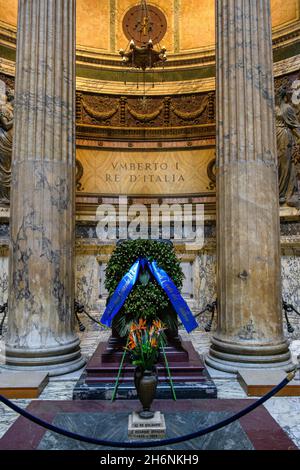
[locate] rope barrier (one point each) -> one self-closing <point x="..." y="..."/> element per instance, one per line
<point x="289" y="308"/>
<point x="210" y="308"/>
<point x="140" y="444"/>
<point x="79" y="308"/>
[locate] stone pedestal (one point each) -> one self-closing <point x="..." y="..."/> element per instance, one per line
<point x="249" y="332"/>
<point x="257" y="383"/>
<point x="22" y="385"/>
<point x="190" y="378"/>
<point x="41" y="322"/>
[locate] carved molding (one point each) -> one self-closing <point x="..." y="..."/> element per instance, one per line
<point x="100" y="115"/>
<point x="182" y="117"/>
<point x="211" y="173"/>
<point x="203" y="135"/>
<point x="191" y="115"/>
<point x="145" y="117"/>
<point x="207" y="84"/>
<point x="188" y="117"/>
<point x="130" y="117"/>
<point x="78" y="175"/>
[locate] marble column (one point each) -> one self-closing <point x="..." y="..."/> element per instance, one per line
<point x="249" y="332"/>
<point x="41" y="322"/>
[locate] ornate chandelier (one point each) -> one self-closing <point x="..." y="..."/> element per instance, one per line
<point x="145" y="57"/>
<point x="144" y="26"/>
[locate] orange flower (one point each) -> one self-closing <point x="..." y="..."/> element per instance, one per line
<point x="131" y="338"/>
<point x="153" y="343"/>
<point x="138" y="335"/>
<point x="133" y="327"/>
<point x="151" y="331"/>
<point x="131" y="342"/>
<point x="142" y="324"/>
<point x="157" y="324"/>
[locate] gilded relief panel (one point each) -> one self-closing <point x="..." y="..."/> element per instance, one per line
<point x="155" y="111"/>
<point x="145" y="173"/>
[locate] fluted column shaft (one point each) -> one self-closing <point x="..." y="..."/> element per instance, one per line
<point x="249" y="332"/>
<point x="41" y="321"/>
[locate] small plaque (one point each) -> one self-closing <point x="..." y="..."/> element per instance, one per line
<point x="154" y="428"/>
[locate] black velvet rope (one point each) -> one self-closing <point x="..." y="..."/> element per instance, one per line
<point x="139" y="444"/>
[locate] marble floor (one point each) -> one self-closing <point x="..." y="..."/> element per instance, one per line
<point x="285" y="410"/>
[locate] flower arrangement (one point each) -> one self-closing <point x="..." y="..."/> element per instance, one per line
<point x="147" y="299"/>
<point x="144" y="343"/>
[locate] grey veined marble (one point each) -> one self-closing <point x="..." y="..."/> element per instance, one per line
<point x="249" y="332"/>
<point x="41" y="322"/>
<point x="115" y="427"/>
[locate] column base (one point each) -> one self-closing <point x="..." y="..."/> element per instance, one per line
<point x="56" y="361"/>
<point x="230" y="357"/>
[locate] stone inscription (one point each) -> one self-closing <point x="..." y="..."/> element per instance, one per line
<point x="162" y="172"/>
<point x="145" y="173"/>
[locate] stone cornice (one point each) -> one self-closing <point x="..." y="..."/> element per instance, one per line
<point x="286" y="35"/>
<point x="7" y="67"/>
<point x="289" y="65"/>
<point x="166" y="88"/>
<point x="187" y="133"/>
<point x="292" y="64"/>
<point x="286" y="66"/>
<point x="146" y="145"/>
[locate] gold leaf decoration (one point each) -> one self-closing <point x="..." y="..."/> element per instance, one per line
<point x="211" y="173"/>
<point x="78" y="175"/>
<point x="189" y="116"/>
<point x="100" y="115"/>
<point x="145" y="117"/>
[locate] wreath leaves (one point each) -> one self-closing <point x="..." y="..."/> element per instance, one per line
<point x="146" y="300"/>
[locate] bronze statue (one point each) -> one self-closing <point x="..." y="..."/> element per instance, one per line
<point x="6" y="139"/>
<point x="288" y="135"/>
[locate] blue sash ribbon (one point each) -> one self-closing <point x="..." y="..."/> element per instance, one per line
<point x="121" y="293"/>
<point x="128" y="281"/>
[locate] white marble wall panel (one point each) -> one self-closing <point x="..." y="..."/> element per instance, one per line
<point x="87" y="281"/>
